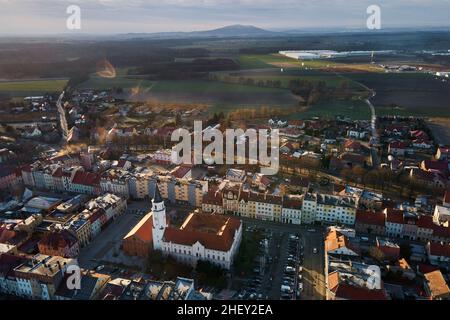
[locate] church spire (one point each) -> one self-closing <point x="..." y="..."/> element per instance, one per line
<point x="157" y="198"/>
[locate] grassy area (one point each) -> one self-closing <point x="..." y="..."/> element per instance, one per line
<point x="355" y="109"/>
<point x="280" y="61"/>
<point x="248" y="251"/>
<point x="166" y="268"/>
<point x="99" y="83"/>
<point x="31" y="87"/>
<point x="194" y="86"/>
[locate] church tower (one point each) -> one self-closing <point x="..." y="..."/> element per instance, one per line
<point x="159" y="219"/>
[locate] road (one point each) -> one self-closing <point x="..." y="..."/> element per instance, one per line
<point x="62" y="117"/>
<point x="313" y="264"/>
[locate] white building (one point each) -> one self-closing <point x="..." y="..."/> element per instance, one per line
<point x="292" y="210"/>
<point x="329" y="209"/>
<point x="207" y="237"/>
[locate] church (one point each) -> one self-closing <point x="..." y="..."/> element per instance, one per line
<point x="208" y="237"/>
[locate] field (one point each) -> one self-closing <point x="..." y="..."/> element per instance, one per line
<point x="355" y="109"/>
<point x="408" y="93"/>
<point x="285" y="76"/>
<point x="397" y="93"/>
<point x="280" y="61"/>
<point x="216" y="94"/>
<point x="13" y="89"/>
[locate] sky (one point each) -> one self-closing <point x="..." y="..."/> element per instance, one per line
<point x="125" y="16"/>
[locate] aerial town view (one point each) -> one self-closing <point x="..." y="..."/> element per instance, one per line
<point x="239" y="151"/>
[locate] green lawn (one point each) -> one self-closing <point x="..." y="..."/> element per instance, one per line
<point x="31" y="87"/>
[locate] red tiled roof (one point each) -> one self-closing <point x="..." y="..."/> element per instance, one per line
<point x="212" y="231"/>
<point x="441" y="231"/>
<point x="425" y="222"/>
<point x="213" y="197"/>
<point x="437" y="249"/>
<point x="143" y="229"/>
<point x="265" y="198"/>
<point x="180" y="171"/>
<point x="372" y="218"/>
<point x="8" y="262"/>
<point x="435" y="165"/>
<point x="349" y="292"/>
<point x="427" y="268"/>
<point x="6" y="234"/>
<point x="292" y="203"/>
<point x="60" y="239"/>
<point x="394" y="216"/>
<point x="398" y="145"/>
<point x="86" y="178"/>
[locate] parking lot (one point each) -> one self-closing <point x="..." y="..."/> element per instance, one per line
<point x="289" y="264"/>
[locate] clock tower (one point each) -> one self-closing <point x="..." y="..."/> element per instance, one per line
<point x="159" y="219"/>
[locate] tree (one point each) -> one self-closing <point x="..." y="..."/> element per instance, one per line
<point x="377" y="254"/>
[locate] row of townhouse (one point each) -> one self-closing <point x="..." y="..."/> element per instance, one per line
<point x="400" y="224"/>
<point x="230" y="198"/>
<point x="56" y="177"/>
<point x="116" y="181"/>
<point x="37" y="277"/>
<point x="99" y="213"/>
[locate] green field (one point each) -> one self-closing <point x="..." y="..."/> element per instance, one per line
<point x="279" y="61"/>
<point x="355" y="109"/>
<point x="285" y="76"/>
<point x="31" y="87"/>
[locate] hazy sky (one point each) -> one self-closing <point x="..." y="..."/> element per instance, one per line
<point x="122" y="16"/>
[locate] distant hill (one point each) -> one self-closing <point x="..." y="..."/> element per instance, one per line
<point x="234" y="31"/>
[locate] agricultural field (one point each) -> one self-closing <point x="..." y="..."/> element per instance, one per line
<point x="280" y="61"/>
<point x="19" y="89"/>
<point x="355" y="109"/>
<point x="215" y="94"/>
<point x="285" y="76"/>
<point x="408" y="93"/>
